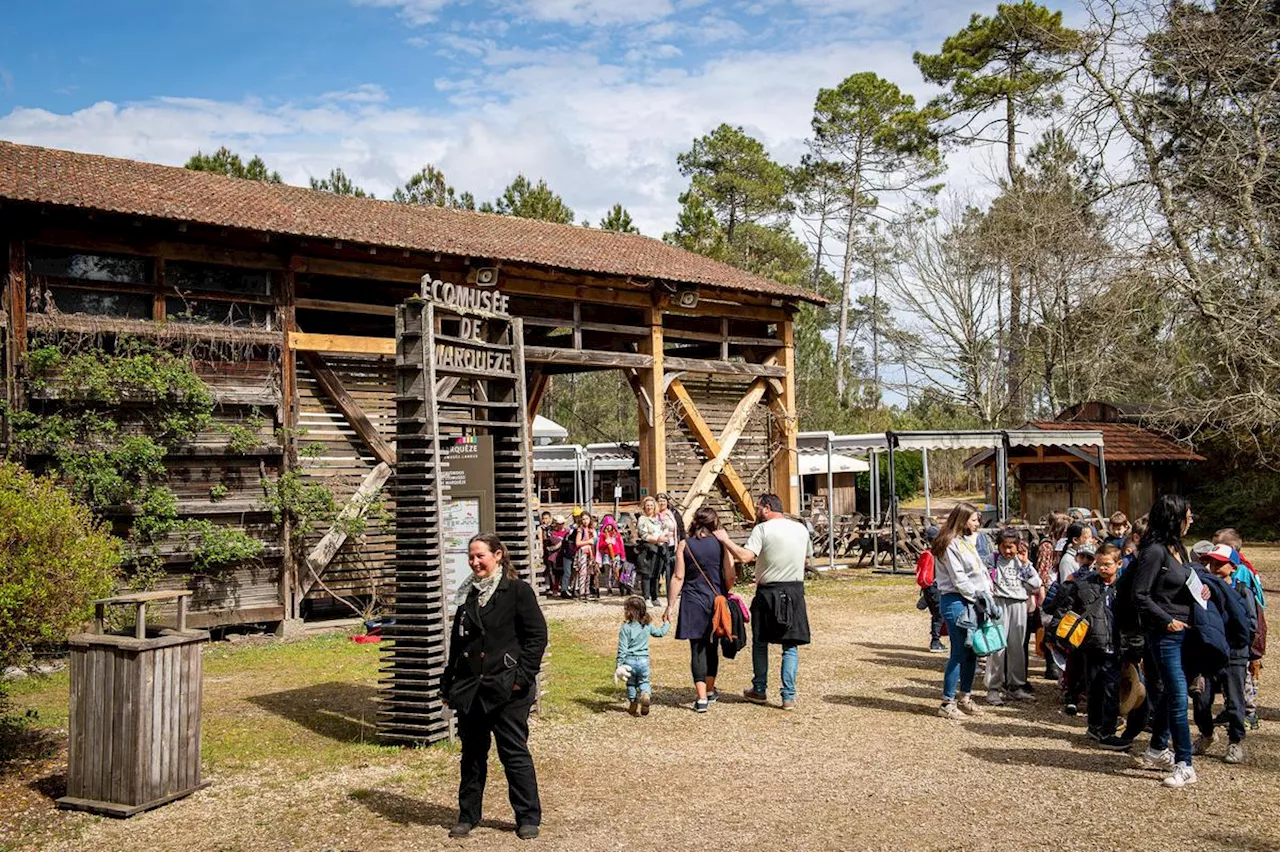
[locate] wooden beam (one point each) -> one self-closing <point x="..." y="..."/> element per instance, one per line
<point x="355" y="269"/>
<point x="587" y="357"/>
<point x="642" y="396"/>
<point x="653" y="434"/>
<point x="159" y="248"/>
<point x="728" y="440"/>
<point x="346" y="307"/>
<point x="332" y="386"/>
<point x="727" y="368"/>
<point x="710" y="444"/>
<point x="328" y="546"/>
<point x="785" y="467"/>
<point x="146" y="328"/>
<point x="537" y="390"/>
<point x="345" y="343"/>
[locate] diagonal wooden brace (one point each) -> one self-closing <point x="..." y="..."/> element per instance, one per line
<point x="718" y="449"/>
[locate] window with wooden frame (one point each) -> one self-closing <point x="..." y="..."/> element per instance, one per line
<point x="69" y="281"/>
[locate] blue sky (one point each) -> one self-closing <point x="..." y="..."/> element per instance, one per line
<point x="597" y="96"/>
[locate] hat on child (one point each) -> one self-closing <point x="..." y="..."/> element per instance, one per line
<point x="931" y="533"/>
<point x="608" y="521"/>
<point x="557" y="519"/>
<point x="1200" y="549"/>
<point x="577" y="510"/>
<point x="1221" y="553"/>
<point x="1132" y="691"/>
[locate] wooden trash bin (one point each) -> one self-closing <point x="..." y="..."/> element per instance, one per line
<point x="135" y="712"/>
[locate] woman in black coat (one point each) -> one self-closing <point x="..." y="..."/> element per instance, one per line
<point x="490" y="681"/>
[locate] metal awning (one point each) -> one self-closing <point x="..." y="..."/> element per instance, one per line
<point x="813" y="463"/>
<point x="997" y="443"/>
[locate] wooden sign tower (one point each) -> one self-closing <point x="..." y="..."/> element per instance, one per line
<point x="460" y="389"/>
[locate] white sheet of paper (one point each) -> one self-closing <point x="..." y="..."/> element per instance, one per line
<point x="1197" y="589"/>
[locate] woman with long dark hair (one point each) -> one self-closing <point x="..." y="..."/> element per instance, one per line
<point x="962" y="581"/>
<point x="704" y="570"/>
<point x="490" y="681"/>
<point x="1161" y="599"/>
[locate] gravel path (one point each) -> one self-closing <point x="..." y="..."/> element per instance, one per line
<point x="863" y="763"/>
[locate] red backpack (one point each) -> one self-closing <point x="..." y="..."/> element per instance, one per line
<point x="924" y="569"/>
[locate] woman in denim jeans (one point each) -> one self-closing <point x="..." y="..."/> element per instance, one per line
<point x="1163" y="601"/>
<point x="963" y="581"/>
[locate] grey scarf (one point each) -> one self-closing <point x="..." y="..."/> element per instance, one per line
<point x="485" y="588"/>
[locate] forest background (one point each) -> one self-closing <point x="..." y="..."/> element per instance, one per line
<point x="1128" y="249"/>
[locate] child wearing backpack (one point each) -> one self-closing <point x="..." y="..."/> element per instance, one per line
<point x="1229" y="681"/>
<point x="1092" y="596"/>
<point x="1013" y="578"/>
<point x="1245" y="574"/>
<point x="633" y="653"/>
<point x="929" y="595"/>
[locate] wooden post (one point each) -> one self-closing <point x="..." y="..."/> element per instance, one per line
<point x="287" y="417"/>
<point x="786" y="461"/>
<point x="17" y="307"/>
<point x="653" y="436"/>
<point x="1094" y="499"/>
<point x="159" y="310"/>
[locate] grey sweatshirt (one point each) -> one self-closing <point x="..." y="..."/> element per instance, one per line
<point x="1014" y="578"/>
<point x="960" y="570"/>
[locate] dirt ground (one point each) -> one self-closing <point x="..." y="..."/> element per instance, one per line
<point x="863" y="763"/>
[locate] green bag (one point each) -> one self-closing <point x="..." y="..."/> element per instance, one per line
<point x="987" y="638"/>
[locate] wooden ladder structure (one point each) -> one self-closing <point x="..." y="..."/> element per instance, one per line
<point x="437" y="402"/>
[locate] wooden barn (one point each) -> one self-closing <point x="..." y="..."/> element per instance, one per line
<point x="285" y="298"/>
<point x="1141" y="464"/>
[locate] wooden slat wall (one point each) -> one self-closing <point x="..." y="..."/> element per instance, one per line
<point x="362" y="565"/>
<point x="716" y="398"/>
<point x="244" y="392"/>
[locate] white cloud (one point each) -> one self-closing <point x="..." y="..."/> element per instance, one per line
<point x="366" y="93"/>
<point x="594" y="12"/>
<point x="600" y="130"/>
<point x="415" y="12"/>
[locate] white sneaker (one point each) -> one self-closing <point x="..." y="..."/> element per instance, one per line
<point x="1183" y="774"/>
<point x="965" y="703"/>
<point x="948" y="710"/>
<point x="1151" y="759"/>
<point x="1202" y="743"/>
<point x="1235" y="753"/>
<point x="995" y="699"/>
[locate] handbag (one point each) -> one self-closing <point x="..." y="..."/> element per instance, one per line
<point x="986" y="639"/>
<point x="1072" y="628"/>
<point x="721" y="620"/>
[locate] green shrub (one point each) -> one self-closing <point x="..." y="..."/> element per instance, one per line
<point x="54" y="558"/>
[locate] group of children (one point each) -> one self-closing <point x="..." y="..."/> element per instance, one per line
<point x="582" y="560"/>
<point x="1066" y="600"/>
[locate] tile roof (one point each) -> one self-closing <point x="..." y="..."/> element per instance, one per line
<point x="93" y="182"/>
<point x="1126" y="442"/>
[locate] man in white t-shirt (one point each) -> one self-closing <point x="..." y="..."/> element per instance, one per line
<point x="780" y="549"/>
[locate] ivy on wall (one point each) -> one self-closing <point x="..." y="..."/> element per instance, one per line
<point x="103" y="421"/>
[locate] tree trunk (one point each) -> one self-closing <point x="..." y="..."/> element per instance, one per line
<point x="1014" y="377"/>
<point x="875" y="323"/>
<point x="846" y="283"/>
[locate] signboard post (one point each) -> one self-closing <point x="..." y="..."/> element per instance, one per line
<point x="463" y="467"/>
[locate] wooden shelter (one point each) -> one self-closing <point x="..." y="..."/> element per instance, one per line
<point x="1140" y="464"/>
<point x="293" y="294"/>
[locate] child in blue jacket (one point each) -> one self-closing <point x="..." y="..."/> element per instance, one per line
<point x="633" y="653"/>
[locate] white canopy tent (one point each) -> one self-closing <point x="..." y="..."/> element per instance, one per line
<point x="546" y="430"/>
<point x="877" y="444"/>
